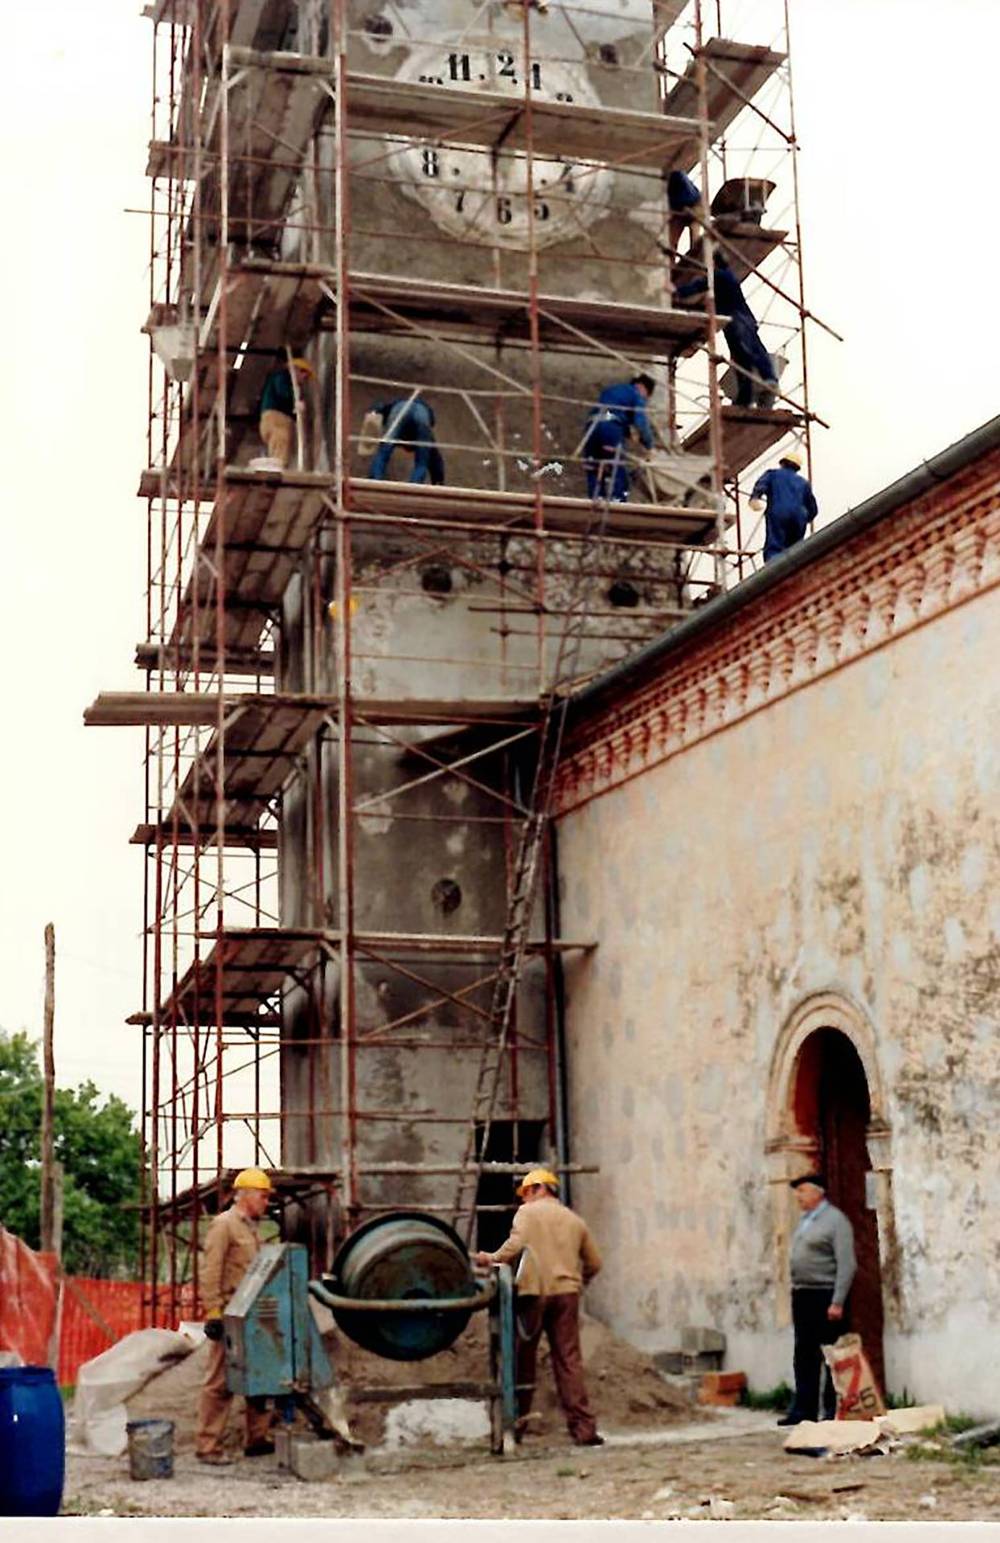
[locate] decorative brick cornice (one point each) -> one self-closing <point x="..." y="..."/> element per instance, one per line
<point x="925" y="559"/>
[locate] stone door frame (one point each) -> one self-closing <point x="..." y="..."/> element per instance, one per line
<point x="789" y="1151"/>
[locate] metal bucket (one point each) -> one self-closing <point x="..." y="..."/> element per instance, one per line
<point x="408" y="1256"/>
<point x="150" y="1449"/>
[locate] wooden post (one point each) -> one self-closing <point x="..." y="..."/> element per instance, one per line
<point x="48" y="1217"/>
<point x="58" y="1180"/>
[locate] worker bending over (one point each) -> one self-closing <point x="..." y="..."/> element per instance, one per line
<point x="566" y="1258"/>
<point x="788" y="502"/>
<point x="408" y="421"/>
<point x="620" y="411"/>
<point x="231" y="1246"/>
<point x="750" y="358"/>
<point x="277" y="408"/>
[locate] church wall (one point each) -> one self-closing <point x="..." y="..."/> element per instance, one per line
<point x="805" y="805"/>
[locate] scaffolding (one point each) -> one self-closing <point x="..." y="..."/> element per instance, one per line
<point x="348" y="678"/>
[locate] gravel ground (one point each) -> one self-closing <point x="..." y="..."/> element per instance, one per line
<point x="732" y="1468"/>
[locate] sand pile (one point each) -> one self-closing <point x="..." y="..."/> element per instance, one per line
<point x="173" y="1395"/>
<point x="626" y="1390"/>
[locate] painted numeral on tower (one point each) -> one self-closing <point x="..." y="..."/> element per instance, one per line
<point x="505" y="211"/>
<point x="432" y="164"/>
<point x="459" y="67"/>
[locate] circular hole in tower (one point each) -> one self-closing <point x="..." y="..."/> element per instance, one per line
<point x="447" y="896"/>
<point x="623" y="595"/>
<point x="436" y="579"/>
<point x="608" y="54"/>
<point x="379" y="27"/>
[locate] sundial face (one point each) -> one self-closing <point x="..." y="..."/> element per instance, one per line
<point x="473" y="196"/>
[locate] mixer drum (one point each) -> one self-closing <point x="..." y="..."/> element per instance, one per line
<point x="407" y="1256"/>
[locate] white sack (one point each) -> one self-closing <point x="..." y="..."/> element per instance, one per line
<point x="105" y="1383"/>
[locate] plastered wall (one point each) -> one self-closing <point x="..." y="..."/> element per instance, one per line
<point x="841" y="840"/>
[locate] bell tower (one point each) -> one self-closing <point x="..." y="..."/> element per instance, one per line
<point x="358" y="676"/>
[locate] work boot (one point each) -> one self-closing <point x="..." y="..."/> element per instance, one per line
<point x="262" y="1448"/>
<point x="596" y="1440"/>
<point x="217" y="1459"/>
<point x="791" y="1418"/>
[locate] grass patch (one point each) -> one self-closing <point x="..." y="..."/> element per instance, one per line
<point x="565" y="1473"/>
<point x="779" y="1397"/>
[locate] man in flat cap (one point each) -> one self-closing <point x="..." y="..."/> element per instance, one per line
<point x="823" y="1265"/>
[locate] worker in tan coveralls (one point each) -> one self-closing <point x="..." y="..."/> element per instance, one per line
<point x="566" y="1258"/>
<point x="231" y="1246"/>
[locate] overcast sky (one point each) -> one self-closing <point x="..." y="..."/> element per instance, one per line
<point x="896" y="102"/>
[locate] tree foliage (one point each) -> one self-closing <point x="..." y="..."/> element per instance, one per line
<point x="100" y="1150"/>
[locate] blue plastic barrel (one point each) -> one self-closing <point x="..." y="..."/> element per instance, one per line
<point x="32" y="1442"/>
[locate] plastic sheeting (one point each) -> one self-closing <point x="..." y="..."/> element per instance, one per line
<point x="29" y="1301"/>
<point x="105" y="1384"/>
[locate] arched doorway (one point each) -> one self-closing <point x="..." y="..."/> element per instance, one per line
<point x="832" y="1105"/>
<point x="826" y="1112"/>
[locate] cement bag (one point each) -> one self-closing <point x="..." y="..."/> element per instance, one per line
<point x="858" y="1396"/>
<point x="105" y="1383"/>
<point x="371" y="432"/>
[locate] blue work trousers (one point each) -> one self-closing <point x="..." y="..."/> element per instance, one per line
<point x="604" y="450"/>
<point x="782" y="531"/>
<point x="410" y="427"/>
<point x="749" y="354"/>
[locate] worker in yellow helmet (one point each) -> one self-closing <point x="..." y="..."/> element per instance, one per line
<point x="231" y="1246"/>
<point x="789" y="504"/>
<point x="565" y="1258"/>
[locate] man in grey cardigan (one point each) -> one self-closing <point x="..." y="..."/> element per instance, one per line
<point x="823" y="1265"/>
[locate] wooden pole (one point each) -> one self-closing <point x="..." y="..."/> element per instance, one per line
<point x="48" y="1217"/>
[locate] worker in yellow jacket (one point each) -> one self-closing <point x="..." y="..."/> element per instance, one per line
<point x="231" y="1246"/>
<point x="565" y="1258"/>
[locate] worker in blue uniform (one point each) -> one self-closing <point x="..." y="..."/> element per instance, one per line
<point x="750" y="357"/>
<point x="686" y="208"/>
<point x="619" y="412"/>
<point x="789" y="504"/>
<point x="408" y="421"/>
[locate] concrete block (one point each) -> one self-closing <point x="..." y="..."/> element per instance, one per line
<point x="696" y="1340"/>
<point x="724" y="1389"/>
<point x="678" y="1363"/>
<point x="312" y="1459"/>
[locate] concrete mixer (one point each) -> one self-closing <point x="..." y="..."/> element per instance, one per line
<point x="402" y="1288"/>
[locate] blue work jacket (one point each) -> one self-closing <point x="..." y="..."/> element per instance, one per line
<point x="278" y="395"/>
<point x="628" y="405"/>
<point x="682" y="193"/>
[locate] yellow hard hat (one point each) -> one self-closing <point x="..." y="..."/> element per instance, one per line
<point x="537" y="1176"/>
<point x="304" y="365"/>
<point x="794" y="456"/>
<point x="252" y="1178"/>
